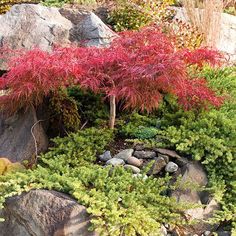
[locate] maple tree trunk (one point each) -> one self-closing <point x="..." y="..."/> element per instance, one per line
<point x="112" y="112"/>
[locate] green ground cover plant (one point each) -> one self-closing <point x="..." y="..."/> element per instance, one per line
<point x="118" y="202"/>
<point x="208" y="136"/>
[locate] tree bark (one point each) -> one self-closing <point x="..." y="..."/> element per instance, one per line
<point x="112" y="112"/>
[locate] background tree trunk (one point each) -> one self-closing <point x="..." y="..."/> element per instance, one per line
<point x="112" y="112"/>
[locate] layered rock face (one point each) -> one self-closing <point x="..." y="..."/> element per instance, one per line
<point x="29" y="26"/>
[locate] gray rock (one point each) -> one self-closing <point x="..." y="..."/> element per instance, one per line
<point x="163" y="231"/>
<point x="144" y="154"/>
<point x="135" y="169"/>
<point x="88" y="28"/>
<point x="167" y="152"/>
<point x="134" y="161"/>
<point x="181" y="161"/>
<point x="28" y="26"/>
<point x="16" y="140"/>
<point x="226" y="42"/>
<point x="105" y="156"/>
<point x="124" y="154"/>
<point x="207" y="233"/>
<point x="194" y="174"/>
<point x="223" y="233"/>
<point x="167" y="226"/>
<point x="158" y="165"/>
<point x="44" y="213"/>
<point x="139" y="147"/>
<point x="171" y="167"/>
<point x="166" y="157"/>
<point x="115" y="162"/>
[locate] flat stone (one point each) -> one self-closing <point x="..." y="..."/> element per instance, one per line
<point x="135" y="169"/>
<point x="158" y="165"/>
<point x="168" y="152"/>
<point x="171" y="167"/>
<point x="124" y="154"/>
<point x="145" y="154"/>
<point x="115" y="162"/>
<point x="181" y="161"/>
<point x="134" y="161"/>
<point x="166" y="157"/>
<point x="105" y="156"/>
<point x="139" y="147"/>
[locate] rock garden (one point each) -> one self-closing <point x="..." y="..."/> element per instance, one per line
<point x="117" y="118"/>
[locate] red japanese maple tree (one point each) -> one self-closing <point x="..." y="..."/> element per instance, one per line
<point x="138" y="68"/>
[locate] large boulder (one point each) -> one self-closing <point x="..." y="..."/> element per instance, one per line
<point x="227" y="40"/>
<point x="18" y="134"/>
<point x="44" y="213"/>
<point x="194" y="178"/>
<point x="28" y="26"/>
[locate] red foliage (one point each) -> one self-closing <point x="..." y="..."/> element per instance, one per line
<point x="138" y="68"/>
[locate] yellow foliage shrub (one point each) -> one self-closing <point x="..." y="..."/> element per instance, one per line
<point x="5" y="5"/>
<point x="6" y="166"/>
<point x="4" y="162"/>
<point x="13" y="167"/>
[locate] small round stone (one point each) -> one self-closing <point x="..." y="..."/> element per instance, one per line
<point x="115" y="162"/>
<point x="134" y="161"/>
<point x="171" y="167"/>
<point x="105" y="156"/>
<point x="135" y="169"/>
<point x="207" y="233"/>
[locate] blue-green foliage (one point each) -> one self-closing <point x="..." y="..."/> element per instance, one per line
<point x="139" y="126"/>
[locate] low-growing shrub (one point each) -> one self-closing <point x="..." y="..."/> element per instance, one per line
<point x="208" y="136"/>
<point x="134" y="14"/>
<point x="185" y="35"/>
<point x="119" y="202"/>
<point x="61" y="3"/>
<point x="80" y="146"/>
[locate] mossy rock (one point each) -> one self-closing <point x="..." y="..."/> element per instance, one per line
<point x="4" y="162"/>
